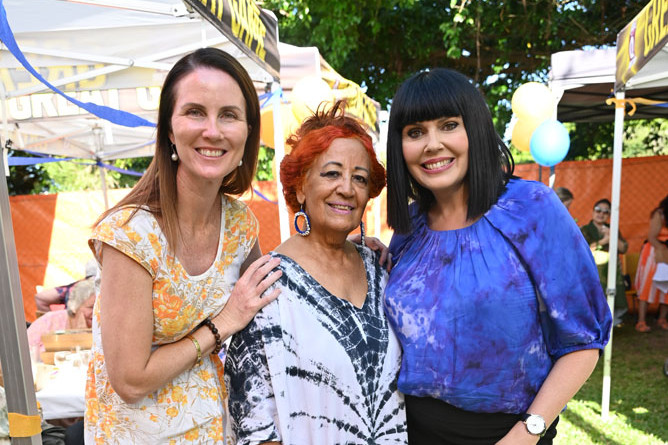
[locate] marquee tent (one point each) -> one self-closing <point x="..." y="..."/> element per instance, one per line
<point x="109" y="56"/>
<point x="600" y="85"/>
<point x="299" y="62"/>
<point x="100" y="52"/>
<point x="585" y="79"/>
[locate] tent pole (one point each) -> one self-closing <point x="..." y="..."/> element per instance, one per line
<point x="614" y="238"/>
<point x="279" y="153"/>
<point x="540" y="172"/>
<point x="5" y="128"/>
<point x="103" y="180"/>
<point x="14" y="351"/>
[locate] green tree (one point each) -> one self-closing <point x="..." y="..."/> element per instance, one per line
<point x="26" y="179"/>
<point x="71" y="175"/>
<point x="265" y="163"/>
<point x="499" y="44"/>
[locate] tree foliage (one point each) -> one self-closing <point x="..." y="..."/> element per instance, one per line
<point x="25" y="179"/>
<point x="70" y="175"/>
<point x="500" y="44"/>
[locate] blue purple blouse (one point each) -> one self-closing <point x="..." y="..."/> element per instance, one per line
<point x="465" y="303"/>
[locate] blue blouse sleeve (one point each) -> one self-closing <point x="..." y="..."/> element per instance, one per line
<point x="560" y="264"/>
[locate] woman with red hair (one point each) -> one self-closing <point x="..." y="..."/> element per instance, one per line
<point x="320" y="364"/>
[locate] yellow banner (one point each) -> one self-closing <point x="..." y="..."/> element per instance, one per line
<point x="640" y="40"/>
<point x="358" y="103"/>
<point x="252" y="29"/>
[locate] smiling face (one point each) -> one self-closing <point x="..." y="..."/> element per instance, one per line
<point x="336" y="187"/>
<point x="208" y="126"/>
<point x="601" y="213"/>
<point x="436" y="153"/>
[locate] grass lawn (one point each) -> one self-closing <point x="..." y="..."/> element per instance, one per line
<point x="638" y="395"/>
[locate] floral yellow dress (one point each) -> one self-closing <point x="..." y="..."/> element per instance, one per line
<point x="192" y="407"/>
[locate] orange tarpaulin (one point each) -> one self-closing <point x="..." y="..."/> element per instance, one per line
<point x="51" y="230"/>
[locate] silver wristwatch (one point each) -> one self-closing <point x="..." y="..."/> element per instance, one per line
<point x="535" y="424"/>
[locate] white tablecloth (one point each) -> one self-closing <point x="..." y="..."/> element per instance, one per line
<point x="63" y="395"/>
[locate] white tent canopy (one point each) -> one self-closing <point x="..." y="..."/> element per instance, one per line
<point x="584" y="79"/>
<point x="299" y="62"/>
<point x="106" y="55"/>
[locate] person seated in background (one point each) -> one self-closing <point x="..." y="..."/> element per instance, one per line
<point x="77" y="315"/>
<point x="653" y="253"/>
<point x="565" y="196"/>
<point x="597" y="234"/>
<point x="59" y="294"/>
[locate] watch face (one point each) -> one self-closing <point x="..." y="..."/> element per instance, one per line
<point x="535" y="425"/>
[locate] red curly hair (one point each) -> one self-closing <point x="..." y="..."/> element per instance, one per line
<point x="313" y="138"/>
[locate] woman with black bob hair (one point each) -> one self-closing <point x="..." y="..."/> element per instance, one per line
<point x="494" y="293"/>
<point x="433" y="94"/>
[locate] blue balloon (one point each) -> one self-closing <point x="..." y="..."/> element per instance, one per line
<point x="550" y="143"/>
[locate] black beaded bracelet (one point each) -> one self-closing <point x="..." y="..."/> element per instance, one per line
<point x="219" y="341"/>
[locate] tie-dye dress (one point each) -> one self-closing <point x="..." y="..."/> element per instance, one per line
<point x="190" y="408"/>
<point x="312" y="368"/>
<point x="482" y="312"/>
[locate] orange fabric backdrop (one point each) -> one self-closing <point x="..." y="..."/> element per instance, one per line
<point x="37" y="226"/>
<point x="644" y="184"/>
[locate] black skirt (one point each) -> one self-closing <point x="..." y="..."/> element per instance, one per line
<point x="434" y="422"/>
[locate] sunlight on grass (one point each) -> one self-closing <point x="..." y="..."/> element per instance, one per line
<point x="581" y="424"/>
<point x="640" y="410"/>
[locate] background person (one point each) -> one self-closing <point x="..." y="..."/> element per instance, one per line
<point x="59" y="294"/>
<point x="565" y="196"/>
<point x="653" y="252"/>
<point x="597" y="234"/>
<point x="171" y="255"/>
<point x="319" y="365"/>
<point x="78" y="315"/>
<point x="486" y="268"/>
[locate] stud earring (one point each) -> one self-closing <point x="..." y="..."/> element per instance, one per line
<point x="362" y="232"/>
<point x="175" y="157"/>
<point x="307" y="222"/>
<point x="241" y="162"/>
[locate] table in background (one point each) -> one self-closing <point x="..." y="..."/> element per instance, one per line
<point x="63" y="394"/>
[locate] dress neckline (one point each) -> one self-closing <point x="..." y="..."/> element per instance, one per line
<point x="219" y="250"/>
<point x="323" y="289"/>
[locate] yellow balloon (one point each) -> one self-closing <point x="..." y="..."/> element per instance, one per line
<point x="307" y="95"/>
<point x="522" y="132"/>
<point x="534" y="101"/>
<point x="288" y="122"/>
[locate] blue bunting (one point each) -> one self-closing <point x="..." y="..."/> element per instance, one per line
<point x="116" y="116"/>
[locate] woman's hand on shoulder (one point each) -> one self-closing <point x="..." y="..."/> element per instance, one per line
<point x="375" y="244"/>
<point x="248" y="295"/>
